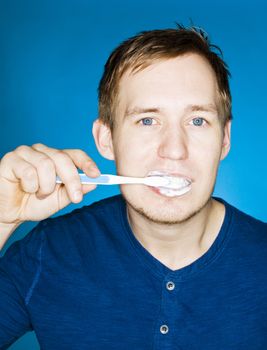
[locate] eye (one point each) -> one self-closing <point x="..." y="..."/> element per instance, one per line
<point x="198" y="121"/>
<point x="147" y="121"/>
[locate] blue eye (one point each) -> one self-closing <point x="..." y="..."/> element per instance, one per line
<point x="198" y="121"/>
<point x="147" y="121"/>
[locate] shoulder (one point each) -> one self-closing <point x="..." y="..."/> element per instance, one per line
<point x="247" y="223"/>
<point x="106" y="209"/>
<point x="246" y="230"/>
<point x="77" y="224"/>
<point x="65" y="232"/>
<point x="242" y="220"/>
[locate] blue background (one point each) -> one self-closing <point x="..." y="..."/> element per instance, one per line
<point x="52" y="56"/>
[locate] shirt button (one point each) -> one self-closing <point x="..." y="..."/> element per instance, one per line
<point x="170" y="285"/>
<point x="164" y="329"/>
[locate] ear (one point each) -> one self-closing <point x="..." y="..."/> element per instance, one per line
<point x="103" y="139"/>
<point x="226" y="144"/>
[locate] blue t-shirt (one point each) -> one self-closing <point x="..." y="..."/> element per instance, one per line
<point x="83" y="281"/>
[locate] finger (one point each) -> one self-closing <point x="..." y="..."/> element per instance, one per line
<point x="45" y="168"/>
<point x="83" y="162"/>
<point x="66" y="170"/>
<point x="88" y="188"/>
<point x="15" y="169"/>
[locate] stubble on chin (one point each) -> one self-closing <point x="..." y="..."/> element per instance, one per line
<point x="165" y="218"/>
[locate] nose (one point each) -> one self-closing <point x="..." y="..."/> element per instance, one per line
<point x="173" y="144"/>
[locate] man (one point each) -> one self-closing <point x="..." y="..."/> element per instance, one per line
<point x="150" y="269"/>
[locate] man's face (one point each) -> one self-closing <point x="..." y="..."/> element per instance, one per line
<point x="167" y="120"/>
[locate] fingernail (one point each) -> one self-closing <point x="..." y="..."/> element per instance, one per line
<point x="77" y="195"/>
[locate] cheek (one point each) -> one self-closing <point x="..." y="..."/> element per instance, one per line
<point x="204" y="157"/>
<point x="132" y="153"/>
<point x="209" y="168"/>
<point x="207" y="145"/>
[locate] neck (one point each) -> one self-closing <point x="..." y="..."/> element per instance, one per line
<point x="178" y="245"/>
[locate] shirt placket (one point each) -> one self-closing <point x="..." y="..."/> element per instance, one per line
<point x="166" y="332"/>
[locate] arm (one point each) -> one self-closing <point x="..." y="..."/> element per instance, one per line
<point x="18" y="268"/>
<point x="14" y="319"/>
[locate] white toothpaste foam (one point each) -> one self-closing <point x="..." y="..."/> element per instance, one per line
<point x="177" y="186"/>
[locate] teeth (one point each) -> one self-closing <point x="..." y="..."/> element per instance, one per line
<point x="175" y="183"/>
<point x="174" y="193"/>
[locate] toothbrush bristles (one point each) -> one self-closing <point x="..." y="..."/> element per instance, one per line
<point x="175" y="183"/>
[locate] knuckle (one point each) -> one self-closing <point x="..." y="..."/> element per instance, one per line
<point x="77" y="154"/>
<point x="81" y="153"/>
<point x="29" y="173"/>
<point x="61" y="156"/>
<point x="46" y="163"/>
<point x="37" y="145"/>
<point x="85" y="156"/>
<point x="88" y="162"/>
<point x="59" y="153"/>
<point x="73" y="150"/>
<point x="7" y="156"/>
<point x="22" y="149"/>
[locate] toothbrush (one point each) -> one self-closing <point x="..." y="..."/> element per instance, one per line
<point x="107" y="179"/>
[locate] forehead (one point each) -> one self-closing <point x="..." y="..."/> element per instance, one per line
<point x="187" y="79"/>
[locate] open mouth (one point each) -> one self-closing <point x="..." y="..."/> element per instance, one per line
<point x="177" y="186"/>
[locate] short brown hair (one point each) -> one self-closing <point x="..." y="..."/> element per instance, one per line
<point x="140" y="51"/>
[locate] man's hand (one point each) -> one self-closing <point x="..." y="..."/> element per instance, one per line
<point x="28" y="189"/>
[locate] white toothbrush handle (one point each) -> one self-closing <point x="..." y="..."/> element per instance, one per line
<point x="154" y="181"/>
<point x="106" y="179"/>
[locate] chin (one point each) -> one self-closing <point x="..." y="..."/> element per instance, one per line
<point x="162" y="209"/>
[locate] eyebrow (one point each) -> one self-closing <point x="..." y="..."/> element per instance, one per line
<point x="203" y="108"/>
<point x="139" y="110"/>
<point x="190" y="108"/>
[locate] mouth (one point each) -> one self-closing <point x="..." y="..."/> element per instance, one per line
<point x="178" y="184"/>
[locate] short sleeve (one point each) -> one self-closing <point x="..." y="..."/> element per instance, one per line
<point x="19" y="269"/>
